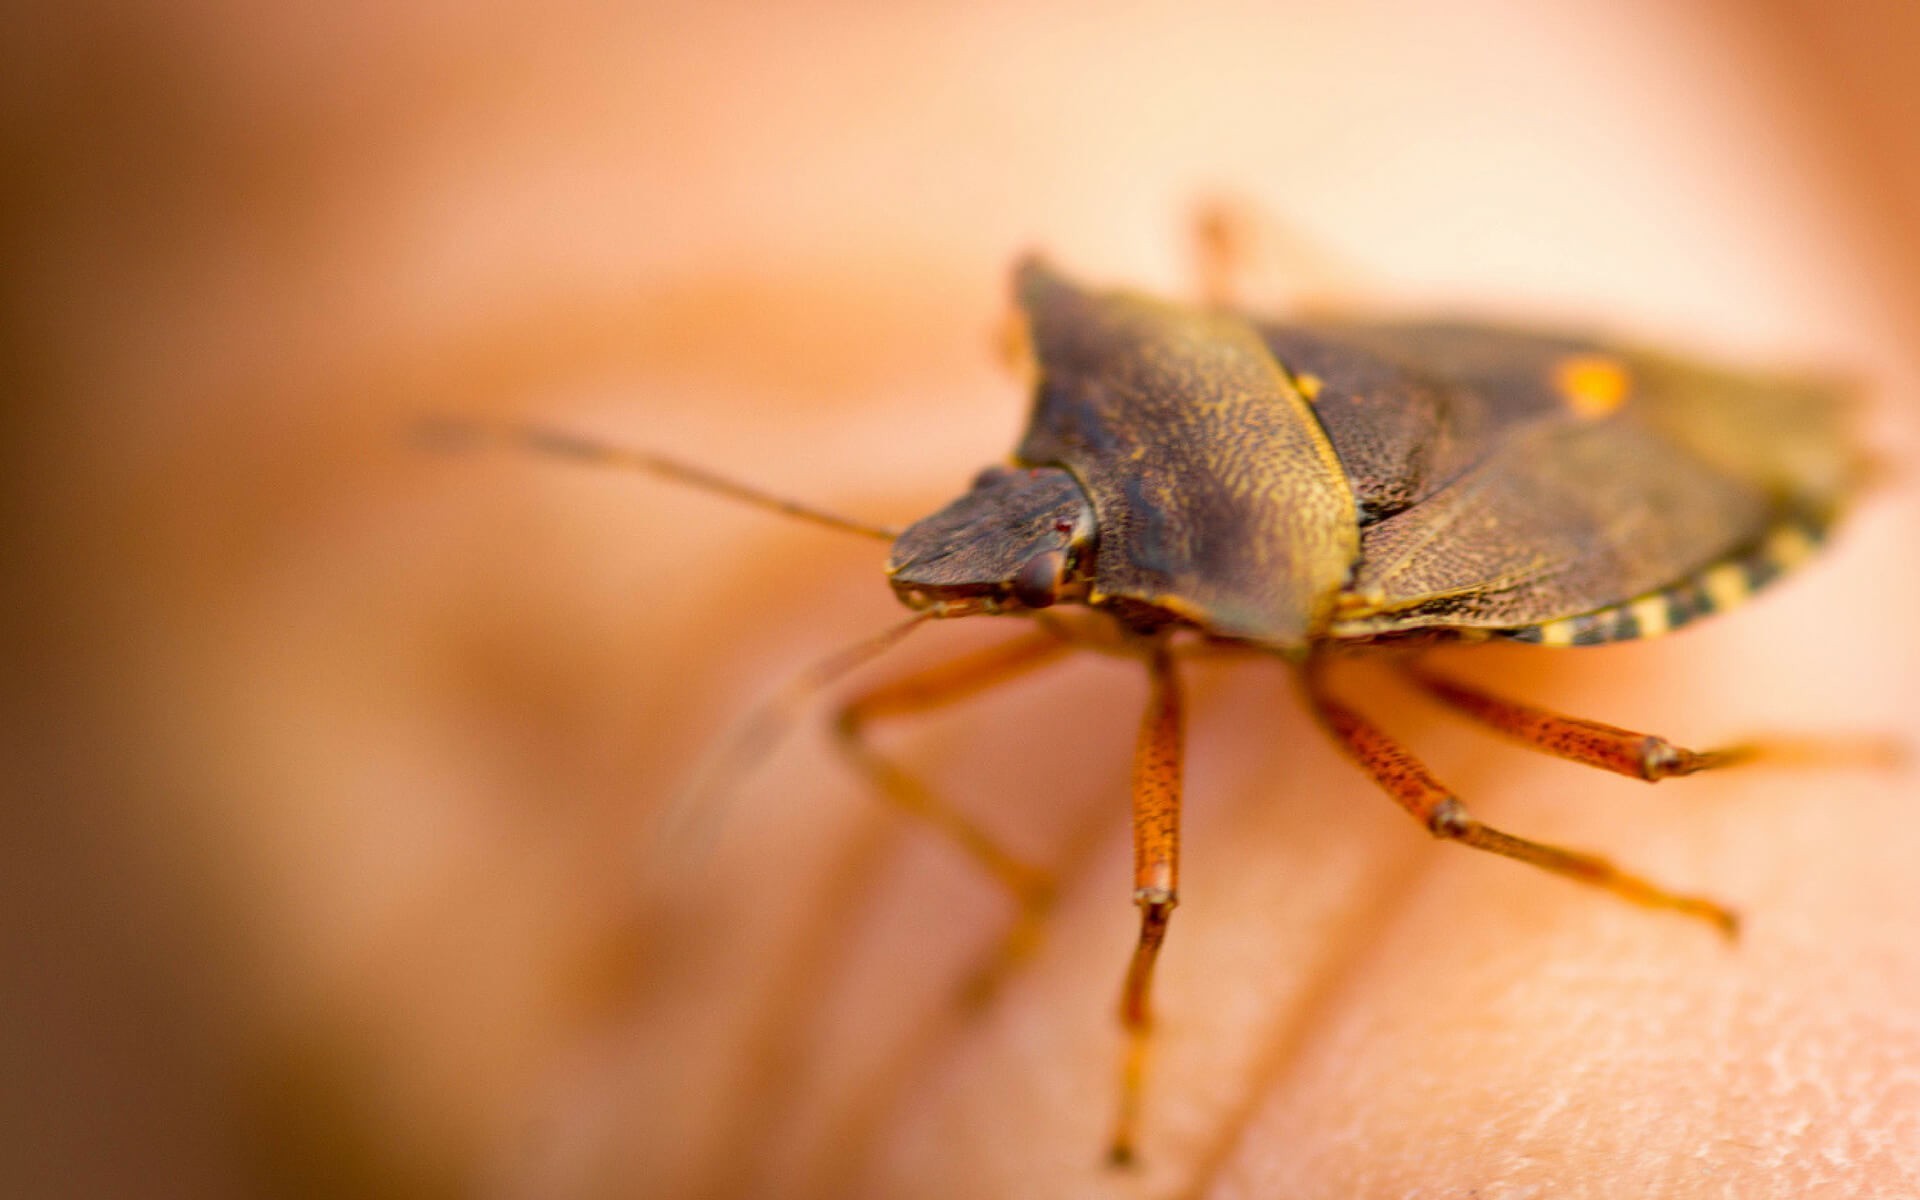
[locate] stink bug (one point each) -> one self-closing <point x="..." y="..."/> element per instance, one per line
<point x="1201" y="478"/>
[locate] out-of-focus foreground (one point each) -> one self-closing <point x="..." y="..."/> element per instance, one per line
<point x="333" y="865"/>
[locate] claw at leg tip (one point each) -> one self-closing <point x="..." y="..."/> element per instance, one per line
<point x="1729" y="923"/>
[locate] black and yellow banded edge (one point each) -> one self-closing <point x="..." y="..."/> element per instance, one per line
<point x="1716" y="589"/>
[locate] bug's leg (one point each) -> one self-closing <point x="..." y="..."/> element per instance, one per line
<point x="1242" y="253"/>
<point x="1407" y="780"/>
<point x="932" y="688"/>
<point x="1156" y="877"/>
<point x="1220" y="251"/>
<point x="1640" y="755"/>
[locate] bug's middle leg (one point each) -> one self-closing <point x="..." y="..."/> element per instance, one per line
<point x="946" y="683"/>
<point x="1425" y="798"/>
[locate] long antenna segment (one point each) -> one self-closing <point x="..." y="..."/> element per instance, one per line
<point x="557" y="443"/>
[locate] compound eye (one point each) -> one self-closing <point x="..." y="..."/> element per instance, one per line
<point x="1038" y="583"/>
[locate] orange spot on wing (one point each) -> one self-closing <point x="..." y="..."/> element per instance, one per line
<point x="1592" y="385"/>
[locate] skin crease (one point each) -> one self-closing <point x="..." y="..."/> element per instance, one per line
<point x="394" y="734"/>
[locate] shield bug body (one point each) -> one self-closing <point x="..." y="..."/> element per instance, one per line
<point x="1204" y="478"/>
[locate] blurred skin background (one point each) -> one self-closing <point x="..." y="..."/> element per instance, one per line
<point x="334" y="862"/>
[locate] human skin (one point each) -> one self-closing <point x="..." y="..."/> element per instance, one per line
<point x="404" y="728"/>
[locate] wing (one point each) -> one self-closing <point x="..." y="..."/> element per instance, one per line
<point x="1410" y="407"/>
<point x="1218" y="495"/>
<point x="1538" y="476"/>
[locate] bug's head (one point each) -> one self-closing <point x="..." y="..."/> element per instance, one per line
<point x="1020" y="539"/>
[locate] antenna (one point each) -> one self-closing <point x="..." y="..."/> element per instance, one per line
<point x="694" y="816"/>
<point x="459" y="434"/>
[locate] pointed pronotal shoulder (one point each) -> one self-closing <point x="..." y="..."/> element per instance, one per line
<point x="1218" y="496"/>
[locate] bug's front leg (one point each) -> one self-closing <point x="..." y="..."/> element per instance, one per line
<point x="946" y="683"/>
<point x="1427" y="800"/>
<point x="1156" y="876"/>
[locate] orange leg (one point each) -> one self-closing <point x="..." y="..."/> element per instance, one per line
<point x="1220" y="237"/>
<point x="1237" y="248"/>
<point x="1156" y="878"/>
<point x="1407" y="780"/>
<point x="1031" y="888"/>
<point x="1640" y="755"/>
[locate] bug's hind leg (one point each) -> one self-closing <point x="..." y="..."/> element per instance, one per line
<point x="1408" y="781"/>
<point x="1640" y="755"/>
<point x="1032" y="889"/>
